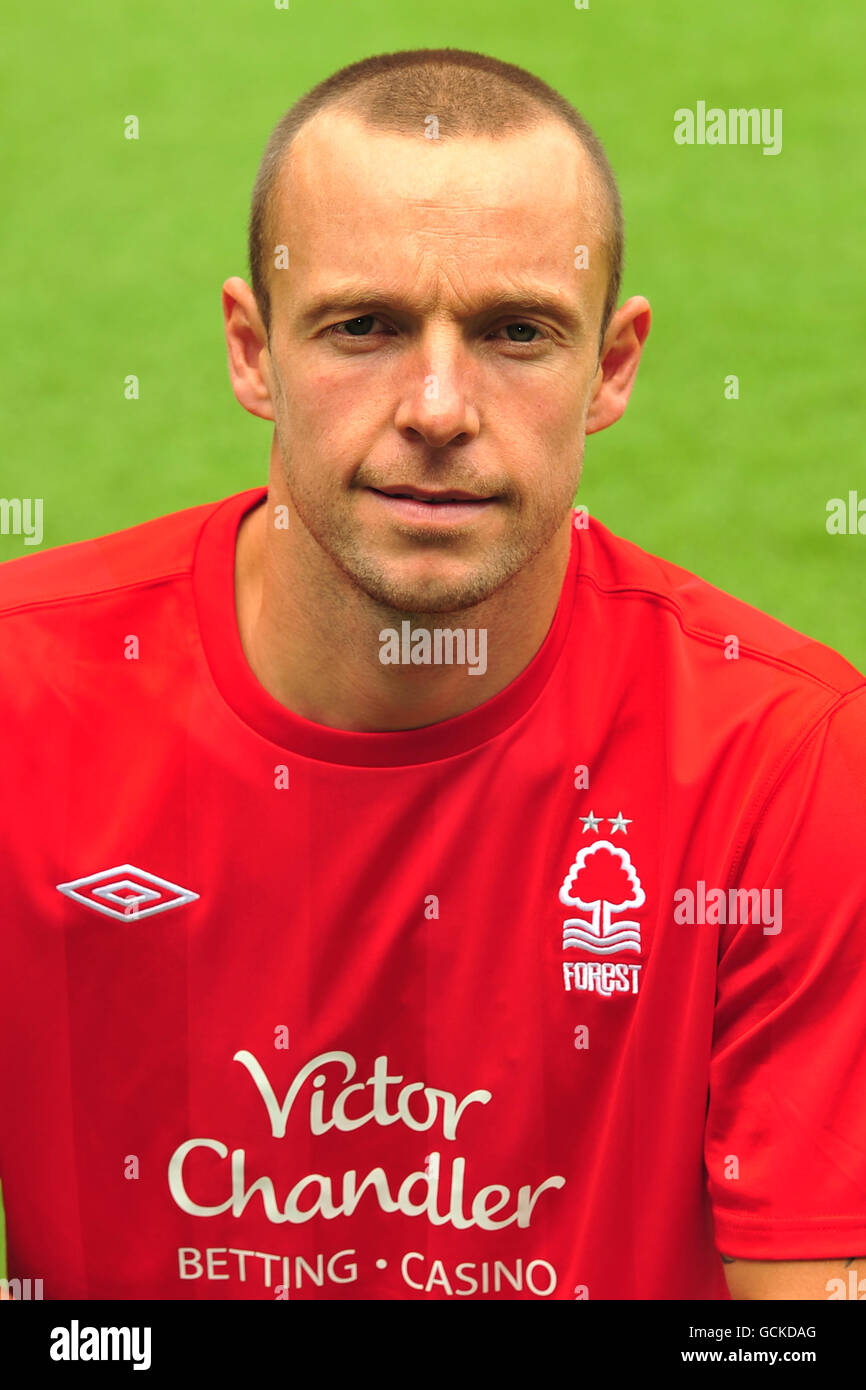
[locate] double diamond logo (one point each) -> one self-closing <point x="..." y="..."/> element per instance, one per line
<point x="126" y="892"/>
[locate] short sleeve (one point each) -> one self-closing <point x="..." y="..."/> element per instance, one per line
<point x="785" y="1139"/>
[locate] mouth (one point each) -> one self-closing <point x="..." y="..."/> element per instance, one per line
<point x="418" y="494"/>
<point x="420" y="505"/>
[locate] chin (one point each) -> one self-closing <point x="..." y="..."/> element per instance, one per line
<point x="454" y="595"/>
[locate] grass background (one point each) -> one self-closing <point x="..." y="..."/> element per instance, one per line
<point x="114" y="252"/>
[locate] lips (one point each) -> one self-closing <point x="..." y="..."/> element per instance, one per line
<point x="431" y="512"/>
<point x="421" y="495"/>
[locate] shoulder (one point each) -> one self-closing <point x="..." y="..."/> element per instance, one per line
<point x="67" y="575"/>
<point x="648" y="597"/>
<point x="66" y="612"/>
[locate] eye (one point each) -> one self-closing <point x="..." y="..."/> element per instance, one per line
<point x="361" y="327"/>
<point x="521" y="328"/>
<point x="357" y="328"/>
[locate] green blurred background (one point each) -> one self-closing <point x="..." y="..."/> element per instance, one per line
<point x="114" y="252"/>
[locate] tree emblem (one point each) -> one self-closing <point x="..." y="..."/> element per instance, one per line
<point x="602" y="880"/>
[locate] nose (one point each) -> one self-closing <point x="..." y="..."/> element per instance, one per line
<point x="436" y="402"/>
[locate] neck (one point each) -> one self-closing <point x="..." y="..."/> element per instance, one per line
<point x="311" y="636"/>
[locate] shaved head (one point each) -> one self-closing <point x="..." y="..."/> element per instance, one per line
<point x="443" y="94"/>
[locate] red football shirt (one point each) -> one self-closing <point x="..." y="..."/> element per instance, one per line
<point x="479" y="1010"/>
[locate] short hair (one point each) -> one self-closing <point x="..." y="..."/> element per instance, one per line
<point x="470" y="94"/>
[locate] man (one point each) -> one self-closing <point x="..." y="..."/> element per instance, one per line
<point x="411" y="889"/>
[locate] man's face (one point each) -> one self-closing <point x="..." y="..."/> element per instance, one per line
<point x="407" y="354"/>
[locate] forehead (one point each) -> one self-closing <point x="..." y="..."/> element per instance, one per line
<point x="350" y="197"/>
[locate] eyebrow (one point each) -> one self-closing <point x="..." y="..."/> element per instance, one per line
<point x="353" y="301"/>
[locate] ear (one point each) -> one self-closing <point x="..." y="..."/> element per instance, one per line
<point x="246" y="340"/>
<point x="618" y="363"/>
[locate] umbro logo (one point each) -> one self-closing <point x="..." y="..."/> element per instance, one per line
<point x="126" y="892"/>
